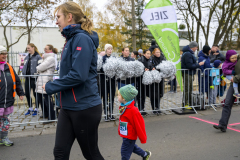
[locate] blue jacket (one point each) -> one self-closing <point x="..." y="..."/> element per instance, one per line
<point x="189" y="61"/>
<point x="77" y="81"/>
<point x="206" y="78"/>
<point x="215" y="76"/>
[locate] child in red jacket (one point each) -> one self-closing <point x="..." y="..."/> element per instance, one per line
<point x="131" y="124"/>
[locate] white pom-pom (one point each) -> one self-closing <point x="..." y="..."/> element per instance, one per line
<point x="168" y="69"/>
<point x="139" y="69"/>
<point x="130" y="69"/>
<point x="99" y="62"/>
<point x="156" y="76"/>
<point x="147" y="78"/>
<point x="110" y="67"/>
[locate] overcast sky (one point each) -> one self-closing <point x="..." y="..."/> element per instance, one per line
<point x="100" y="3"/>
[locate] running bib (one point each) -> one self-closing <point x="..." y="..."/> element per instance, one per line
<point x="123" y="128"/>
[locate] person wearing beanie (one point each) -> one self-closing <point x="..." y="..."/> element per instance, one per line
<point x="193" y="44"/>
<point x="217" y="64"/>
<point x="215" y="79"/>
<point x="140" y="52"/>
<point x="203" y="56"/>
<point x="153" y="46"/>
<point x="229" y="69"/>
<point x="189" y="66"/>
<point x="131" y="124"/>
<point x="107" y="87"/>
<point x="10" y="86"/>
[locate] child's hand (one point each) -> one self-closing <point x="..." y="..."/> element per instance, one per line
<point x="146" y="69"/>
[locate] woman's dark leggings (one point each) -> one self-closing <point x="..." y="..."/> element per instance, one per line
<point x="82" y="125"/>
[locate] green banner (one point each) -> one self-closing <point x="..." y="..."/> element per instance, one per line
<point x="161" y="19"/>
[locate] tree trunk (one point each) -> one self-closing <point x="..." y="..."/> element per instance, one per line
<point x="133" y="26"/>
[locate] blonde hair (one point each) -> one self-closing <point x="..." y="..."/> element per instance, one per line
<point x="55" y="50"/>
<point x="35" y="48"/>
<point x="77" y="14"/>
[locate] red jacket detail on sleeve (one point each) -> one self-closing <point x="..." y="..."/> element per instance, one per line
<point x="131" y="124"/>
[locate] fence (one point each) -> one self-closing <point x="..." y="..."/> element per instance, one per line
<point x="152" y="99"/>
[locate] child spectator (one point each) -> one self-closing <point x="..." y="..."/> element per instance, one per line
<point x="131" y="124"/>
<point x="215" y="81"/>
<point x="228" y="69"/>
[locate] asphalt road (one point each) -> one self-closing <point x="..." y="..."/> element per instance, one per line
<point x="170" y="137"/>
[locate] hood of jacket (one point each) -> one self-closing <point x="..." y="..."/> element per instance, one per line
<point x="229" y="54"/>
<point x="201" y="54"/>
<point x="187" y="49"/>
<point x="73" y="29"/>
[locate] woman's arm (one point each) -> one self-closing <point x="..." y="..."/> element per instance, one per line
<point x="81" y="62"/>
<point x="48" y="63"/>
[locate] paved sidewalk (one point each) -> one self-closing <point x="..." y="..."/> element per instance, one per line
<point x="170" y="137"/>
<point x="20" y="122"/>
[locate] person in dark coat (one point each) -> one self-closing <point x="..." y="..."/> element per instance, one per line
<point x="108" y="88"/>
<point x="203" y="79"/>
<point x="157" y="88"/>
<point x="81" y="105"/>
<point x="216" y="55"/>
<point x="10" y="86"/>
<point x="145" y="90"/>
<point x="189" y="66"/>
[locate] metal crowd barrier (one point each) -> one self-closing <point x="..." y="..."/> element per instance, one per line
<point x="152" y="99"/>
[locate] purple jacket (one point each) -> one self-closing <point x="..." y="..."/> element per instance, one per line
<point x="229" y="66"/>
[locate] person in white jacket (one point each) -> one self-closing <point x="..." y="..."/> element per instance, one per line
<point x="46" y="70"/>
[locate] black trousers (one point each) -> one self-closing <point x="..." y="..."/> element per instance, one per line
<point x="47" y="106"/>
<point x="80" y="125"/>
<point x="151" y="91"/>
<point x="226" y="112"/>
<point x="30" y="83"/>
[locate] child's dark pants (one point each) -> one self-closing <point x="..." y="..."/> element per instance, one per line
<point x="129" y="147"/>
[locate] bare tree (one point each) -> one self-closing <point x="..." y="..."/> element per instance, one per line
<point x="34" y="13"/>
<point x="218" y="14"/>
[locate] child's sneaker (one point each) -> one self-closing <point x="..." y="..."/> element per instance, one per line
<point x="7" y="142"/>
<point x="28" y="113"/>
<point x="147" y="156"/>
<point x="237" y="95"/>
<point x="34" y="113"/>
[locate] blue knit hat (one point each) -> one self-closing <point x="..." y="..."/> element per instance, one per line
<point x="128" y="92"/>
<point x="216" y="63"/>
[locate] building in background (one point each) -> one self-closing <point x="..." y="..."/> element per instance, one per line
<point x="41" y="36"/>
